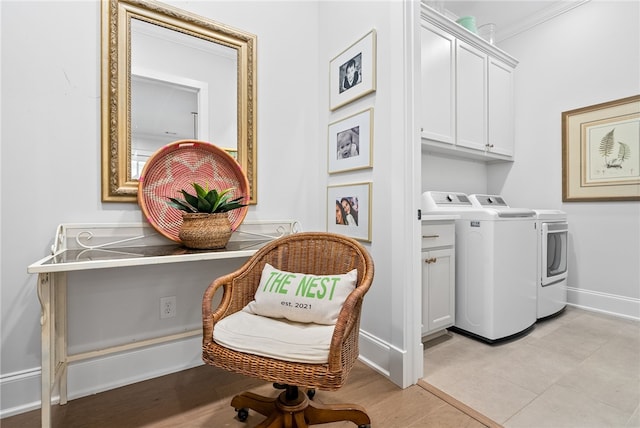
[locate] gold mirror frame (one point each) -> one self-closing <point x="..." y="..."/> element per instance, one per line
<point x="117" y="185"/>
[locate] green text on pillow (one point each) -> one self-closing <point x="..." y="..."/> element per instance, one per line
<point x="301" y="297"/>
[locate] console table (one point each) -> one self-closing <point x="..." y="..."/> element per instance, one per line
<point x="80" y="247"/>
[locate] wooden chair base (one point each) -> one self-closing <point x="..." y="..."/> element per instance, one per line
<point x="298" y="411"/>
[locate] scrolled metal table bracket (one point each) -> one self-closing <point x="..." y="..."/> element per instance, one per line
<point x="87" y="235"/>
<point x="280" y="231"/>
<point x="43" y="278"/>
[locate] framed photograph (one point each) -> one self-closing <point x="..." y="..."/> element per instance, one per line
<point x="601" y="152"/>
<point x="352" y="74"/>
<point x="350" y="142"/>
<point x="349" y="210"/>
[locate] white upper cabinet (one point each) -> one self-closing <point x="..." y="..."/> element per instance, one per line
<point x="467" y="92"/>
<point x="471" y="96"/>
<point x="500" y="108"/>
<point x="438" y="64"/>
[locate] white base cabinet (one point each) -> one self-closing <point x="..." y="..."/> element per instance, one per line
<point x="438" y="275"/>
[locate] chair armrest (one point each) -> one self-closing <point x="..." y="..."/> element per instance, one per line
<point x="209" y="317"/>
<point x="238" y="289"/>
<point x="348" y="319"/>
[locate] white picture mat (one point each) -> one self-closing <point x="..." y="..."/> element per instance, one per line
<point x="361" y="194"/>
<point x="577" y="185"/>
<point x="365" y="50"/>
<point x="363" y="122"/>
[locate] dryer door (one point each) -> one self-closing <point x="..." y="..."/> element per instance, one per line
<point x="554" y="252"/>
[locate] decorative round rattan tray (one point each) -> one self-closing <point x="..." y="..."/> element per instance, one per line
<point x="175" y="167"/>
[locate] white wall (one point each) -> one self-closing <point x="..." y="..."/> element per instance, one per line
<point x="387" y="309"/>
<point x="448" y="174"/>
<point x="50" y="135"/>
<point x="587" y="56"/>
<point x="51" y="164"/>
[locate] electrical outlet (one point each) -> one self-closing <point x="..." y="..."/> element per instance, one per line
<point x="168" y="307"/>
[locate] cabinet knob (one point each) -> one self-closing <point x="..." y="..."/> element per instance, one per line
<point x="431" y="260"/>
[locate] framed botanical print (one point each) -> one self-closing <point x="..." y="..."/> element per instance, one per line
<point x="601" y="152"/>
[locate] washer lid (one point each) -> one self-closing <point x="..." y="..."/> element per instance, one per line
<point x="499" y="205"/>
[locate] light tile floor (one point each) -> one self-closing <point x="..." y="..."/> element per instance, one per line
<point x="579" y="369"/>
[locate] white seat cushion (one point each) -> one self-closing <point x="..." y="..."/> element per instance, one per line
<point x="275" y="338"/>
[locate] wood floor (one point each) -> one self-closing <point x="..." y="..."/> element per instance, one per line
<point x="200" y="397"/>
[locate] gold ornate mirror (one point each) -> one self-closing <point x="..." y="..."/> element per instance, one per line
<point x="169" y="75"/>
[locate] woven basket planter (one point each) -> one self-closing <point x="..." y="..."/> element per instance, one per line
<point x="205" y="231"/>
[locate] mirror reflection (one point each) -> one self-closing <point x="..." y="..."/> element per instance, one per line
<point x="170" y="75"/>
<point x="182" y="87"/>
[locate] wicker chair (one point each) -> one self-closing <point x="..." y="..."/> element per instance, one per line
<point x="312" y="253"/>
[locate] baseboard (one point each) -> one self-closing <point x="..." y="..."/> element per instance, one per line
<point x="620" y="306"/>
<point x="387" y="359"/>
<point x="102" y="374"/>
<point x="375" y="353"/>
<point x="21" y="391"/>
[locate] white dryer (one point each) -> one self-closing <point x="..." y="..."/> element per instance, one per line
<point x="553" y="235"/>
<point x="551" y="254"/>
<point x="495" y="266"/>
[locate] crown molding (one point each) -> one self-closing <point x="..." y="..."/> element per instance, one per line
<point x="447" y="23"/>
<point x="556" y="9"/>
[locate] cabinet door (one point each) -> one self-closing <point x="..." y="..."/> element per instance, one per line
<point x="500" y="98"/>
<point x="471" y="95"/>
<point x="438" y="53"/>
<point x="438" y="290"/>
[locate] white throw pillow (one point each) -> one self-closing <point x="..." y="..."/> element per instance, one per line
<point x="301" y="297"/>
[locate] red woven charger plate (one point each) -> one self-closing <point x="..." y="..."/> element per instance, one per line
<point x="175" y="167"/>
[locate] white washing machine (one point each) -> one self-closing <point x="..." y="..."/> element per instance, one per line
<point x="495" y="266"/>
<point x="551" y="254"/>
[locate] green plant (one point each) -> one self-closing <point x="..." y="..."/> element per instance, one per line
<point x="607" y="146"/>
<point x="206" y="201"/>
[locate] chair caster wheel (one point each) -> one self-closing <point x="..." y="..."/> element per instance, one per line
<point x="243" y="414"/>
<point x="311" y="393"/>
